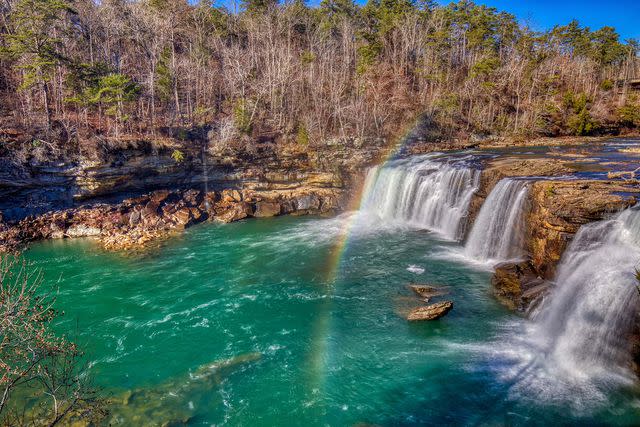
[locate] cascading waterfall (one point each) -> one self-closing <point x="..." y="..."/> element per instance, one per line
<point x="585" y="322"/>
<point x="579" y="341"/>
<point x="422" y="193"/>
<point x="498" y="231"/>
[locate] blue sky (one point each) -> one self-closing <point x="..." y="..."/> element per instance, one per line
<point x="624" y="15"/>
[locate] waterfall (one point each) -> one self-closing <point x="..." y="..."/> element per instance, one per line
<point x="498" y="232"/>
<point x="584" y="325"/>
<point x="422" y="193"/>
<point x="578" y="346"/>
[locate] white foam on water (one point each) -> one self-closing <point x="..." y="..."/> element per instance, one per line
<point x="576" y="350"/>
<point x="421" y="193"/>
<point x="415" y="269"/>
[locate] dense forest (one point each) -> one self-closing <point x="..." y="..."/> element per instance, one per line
<point x="81" y="74"/>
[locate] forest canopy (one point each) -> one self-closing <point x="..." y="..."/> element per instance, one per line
<point x="72" y="70"/>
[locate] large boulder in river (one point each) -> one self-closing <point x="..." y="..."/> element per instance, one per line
<point x="164" y="404"/>
<point x="430" y="312"/>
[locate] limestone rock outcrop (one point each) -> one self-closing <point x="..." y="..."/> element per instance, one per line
<point x="517" y="285"/>
<point x="560" y="207"/>
<point x="137" y="221"/>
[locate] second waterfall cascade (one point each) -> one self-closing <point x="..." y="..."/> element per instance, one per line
<point x="498" y="232"/>
<point x="578" y="343"/>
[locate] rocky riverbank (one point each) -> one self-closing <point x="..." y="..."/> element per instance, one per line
<point x="132" y="197"/>
<point x="135" y="222"/>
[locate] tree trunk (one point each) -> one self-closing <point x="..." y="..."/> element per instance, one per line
<point x="47" y="105"/>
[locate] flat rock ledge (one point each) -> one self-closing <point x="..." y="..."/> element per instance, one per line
<point x="138" y="221"/>
<point x="430" y="312"/>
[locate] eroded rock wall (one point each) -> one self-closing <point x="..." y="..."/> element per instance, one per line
<point x="35" y="188"/>
<point x="557" y="209"/>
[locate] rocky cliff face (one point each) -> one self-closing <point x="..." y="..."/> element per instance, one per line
<point x="35" y="188"/>
<point x="557" y="209"/>
<point x="127" y="197"/>
<point x="269" y="176"/>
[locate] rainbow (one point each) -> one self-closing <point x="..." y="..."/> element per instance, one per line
<point x="320" y="354"/>
<point x="362" y="193"/>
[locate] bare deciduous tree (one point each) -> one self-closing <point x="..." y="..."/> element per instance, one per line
<point x="42" y="380"/>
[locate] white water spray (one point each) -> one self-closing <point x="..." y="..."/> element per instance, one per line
<point x="578" y="347"/>
<point x="422" y="193"/>
<point x="499" y="230"/>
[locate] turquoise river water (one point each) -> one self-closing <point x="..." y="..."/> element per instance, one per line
<point x="309" y="332"/>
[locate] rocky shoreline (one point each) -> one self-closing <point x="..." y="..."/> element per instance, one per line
<point x="136" y="222"/>
<point x="131" y="197"/>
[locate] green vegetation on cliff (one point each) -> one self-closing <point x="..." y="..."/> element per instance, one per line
<point x="78" y="70"/>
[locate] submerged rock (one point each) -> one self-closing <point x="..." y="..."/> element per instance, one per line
<point x="226" y="366"/>
<point x="426" y="291"/>
<point x="164" y="404"/>
<point x="430" y="312"/>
